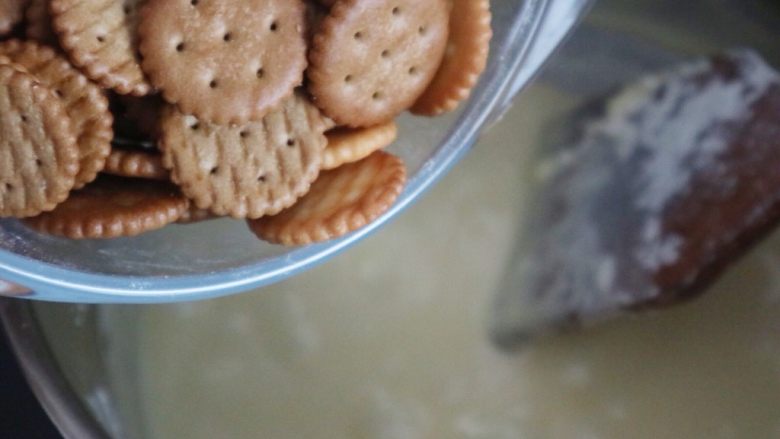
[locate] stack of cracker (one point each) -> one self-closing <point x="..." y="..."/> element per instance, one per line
<point x="122" y="116"/>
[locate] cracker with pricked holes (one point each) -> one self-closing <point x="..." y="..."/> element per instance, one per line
<point x="136" y="163"/>
<point x="11" y="13"/>
<point x="112" y="207"/>
<point x="347" y="145"/>
<point x="371" y="59"/>
<point x="85" y="103"/>
<point x="339" y="202"/>
<point x="39" y="158"/>
<point x="464" y="60"/>
<point x="100" y="37"/>
<point x="39" y="24"/>
<point x="249" y="170"/>
<point x="224" y="62"/>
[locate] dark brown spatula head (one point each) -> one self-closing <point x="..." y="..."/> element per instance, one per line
<point x="676" y="178"/>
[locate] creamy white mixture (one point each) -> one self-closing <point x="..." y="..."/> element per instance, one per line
<point x="388" y="341"/>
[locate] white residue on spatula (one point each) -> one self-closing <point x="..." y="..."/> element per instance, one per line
<point x="596" y="237"/>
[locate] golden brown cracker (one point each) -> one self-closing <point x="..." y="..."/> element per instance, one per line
<point x="136" y="163"/>
<point x="100" y="38"/>
<point x="85" y="103"/>
<point x="39" y="158"/>
<point x="224" y="62"/>
<point x="371" y="59"/>
<point x="112" y="207"/>
<point x="340" y="201"/>
<point x="347" y="145"/>
<point x="464" y="61"/>
<point x="249" y="170"/>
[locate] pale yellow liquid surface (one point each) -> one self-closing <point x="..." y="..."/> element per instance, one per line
<point x="389" y="341"/>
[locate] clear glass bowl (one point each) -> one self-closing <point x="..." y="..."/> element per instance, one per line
<point x="222" y="257"/>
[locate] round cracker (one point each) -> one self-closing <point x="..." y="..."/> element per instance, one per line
<point x="39" y="158"/>
<point x="347" y="145"/>
<point x="464" y="60"/>
<point x="11" y="13"/>
<point x="100" y="37"/>
<point x="371" y="59"/>
<point x="39" y="26"/>
<point x="339" y="202"/>
<point x="85" y="103"/>
<point x="113" y="207"/>
<point x="224" y="62"/>
<point x="136" y="163"/>
<point x="250" y="170"/>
